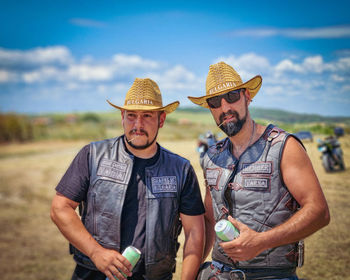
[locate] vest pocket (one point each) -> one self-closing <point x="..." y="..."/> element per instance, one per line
<point x="107" y="198"/>
<point x="107" y="230"/>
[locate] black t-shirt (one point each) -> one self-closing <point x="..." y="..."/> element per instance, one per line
<point x="75" y="183"/>
<point x="133" y="229"/>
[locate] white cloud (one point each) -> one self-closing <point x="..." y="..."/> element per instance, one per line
<point x="248" y="65"/>
<point x="327" y="32"/>
<point x="343" y="64"/>
<point x="337" y="78"/>
<point x="41" y="75"/>
<point x="179" y="74"/>
<point x="7" y="76"/>
<point x="32" y="77"/>
<point x="85" y="72"/>
<point x="125" y="62"/>
<point x="311" y="64"/>
<point x="35" y="57"/>
<point x="310" y="78"/>
<point x="56" y="64"/>
<point x="177" y="78"/>
<point x="58" y="71"/>
<point x="87" y="22"/>
<point x="287" y="65"/>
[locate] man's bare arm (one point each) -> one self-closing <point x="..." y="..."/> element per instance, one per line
<point x="301" y="180"/>
<point x="193" y="247"/>
<point x="209" y="224"/>
<point x="68" y="222"/>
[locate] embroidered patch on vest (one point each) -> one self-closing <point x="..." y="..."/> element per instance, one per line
<point x="256" y="184"/>
<point x="212" y="176"/>
<point x="164" y="184"/>
<point x="112" y="169"/>
<point x="257" y="168"/>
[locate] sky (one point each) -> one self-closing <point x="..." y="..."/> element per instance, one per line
<point x="70" y="56"/>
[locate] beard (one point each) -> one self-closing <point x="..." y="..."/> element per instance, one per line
<point x="140" y="147"/>
<point x="233" y="127"/>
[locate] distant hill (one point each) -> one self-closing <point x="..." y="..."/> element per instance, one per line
<point x="196" y="120"/>
<point x="276" y="115"/>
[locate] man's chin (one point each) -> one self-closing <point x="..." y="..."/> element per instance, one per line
<point x="141" y="142"/>
<point x="231" y="128"/>
<point x="139" y="146"/>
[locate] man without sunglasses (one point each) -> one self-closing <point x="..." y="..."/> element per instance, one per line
<point x="131" y="191"/>
<point x="260" y="179"/>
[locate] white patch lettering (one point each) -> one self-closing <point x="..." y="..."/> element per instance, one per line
<point x="257" y="184"/>
<point x="112" y="169"/>
<point x="164" y="184"/>
<point x="257" y="168"/>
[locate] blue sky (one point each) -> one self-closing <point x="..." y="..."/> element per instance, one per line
<point x="67" y="56"/>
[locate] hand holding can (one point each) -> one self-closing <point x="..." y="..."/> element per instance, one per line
<point x="132" y="254"/>
<point x="225" y="230"/>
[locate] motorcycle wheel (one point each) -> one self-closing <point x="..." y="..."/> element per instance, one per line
<point x="326" y="162"/>
<point x="338" y="153"/>
<point x="342" y="164"/>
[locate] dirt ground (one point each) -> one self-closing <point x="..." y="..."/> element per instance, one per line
<point x="32" y="247"/>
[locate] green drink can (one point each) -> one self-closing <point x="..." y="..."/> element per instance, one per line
<point x="132" y="254"/>
<point x="225" y="230"/>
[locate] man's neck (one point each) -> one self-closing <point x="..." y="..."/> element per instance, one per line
<point x="244" y="138"/>
<point x="142" y="153"/>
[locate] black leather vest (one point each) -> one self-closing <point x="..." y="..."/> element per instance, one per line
<point x="110" y="169"/>
<point x="255" y="193"/>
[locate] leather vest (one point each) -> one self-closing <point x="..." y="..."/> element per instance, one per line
<point x="110" y="169"/>
<point x="252" y="191"/>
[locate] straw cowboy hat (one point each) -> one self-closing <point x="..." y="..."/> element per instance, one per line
<point x="144" y="95"/>
<point x="223" y="78"/>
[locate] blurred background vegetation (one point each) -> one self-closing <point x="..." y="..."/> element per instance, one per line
<point x="182" y="124"/>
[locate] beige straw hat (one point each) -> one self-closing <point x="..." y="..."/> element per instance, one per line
<point x="223" y="78"/>
<point x="144" y="95"/>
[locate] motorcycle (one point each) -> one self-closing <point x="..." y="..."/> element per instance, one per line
<point x="332" y="154"/>
<point x="205" y="141"/>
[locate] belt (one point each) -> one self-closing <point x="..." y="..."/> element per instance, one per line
<point x="255" y="273"/>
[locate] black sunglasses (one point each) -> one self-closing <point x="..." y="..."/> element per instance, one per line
<point x="230" y="97"/>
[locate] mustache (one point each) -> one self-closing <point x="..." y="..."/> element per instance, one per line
<point x="133" y="131"/>
<point x="228" y="113"/>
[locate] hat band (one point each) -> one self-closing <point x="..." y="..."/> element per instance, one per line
<point x="143" y="101"/>
<point x="221" y="87"/>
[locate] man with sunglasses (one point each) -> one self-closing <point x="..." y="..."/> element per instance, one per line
<point x="260" y="179"/>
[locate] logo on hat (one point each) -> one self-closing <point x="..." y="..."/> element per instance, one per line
<point x="145" y="95"/>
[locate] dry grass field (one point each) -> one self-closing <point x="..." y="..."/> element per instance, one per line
<point x="32" y="248"/>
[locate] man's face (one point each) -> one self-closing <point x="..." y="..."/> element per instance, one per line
<point x="141" y="127"/>
<point x="231" y="117"/>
